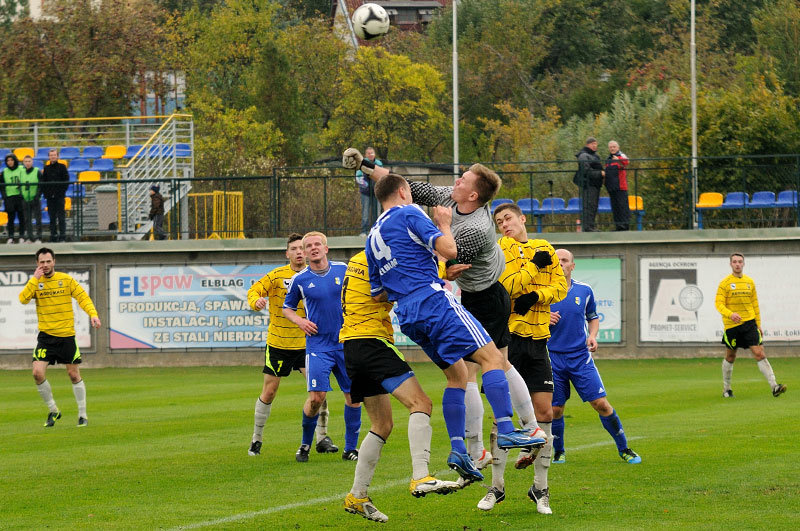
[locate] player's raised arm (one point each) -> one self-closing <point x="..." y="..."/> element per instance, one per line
<point x="445" y="244"/>
<point x="256" y="295"/>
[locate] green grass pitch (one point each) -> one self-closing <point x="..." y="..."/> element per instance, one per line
<point x="167" y="448"/>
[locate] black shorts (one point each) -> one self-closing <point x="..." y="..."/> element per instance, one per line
<point x="532" y="360"/>
<point x="370" y="363"/>
<point x="745" y="335"/>
<point x="53" y="349"/>
<point x="492" y="308"/>
<point x="280" y="361"/>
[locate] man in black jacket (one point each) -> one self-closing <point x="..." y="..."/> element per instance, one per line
<point x="589" y="179"/>
<point x="55" y="181"/>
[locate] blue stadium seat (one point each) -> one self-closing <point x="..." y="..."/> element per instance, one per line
<point x="69" y="153"/>
<point x="42" y="153"/>
<point x="735" y="200"/>
<point x="92" y="152"/>
<point x="552" y="205"/>
<point x="604" y="205"/>
<point x="79" y="165"/>
<point x="528" y="205"/>
<point x="154" y="150"/>
<point x="38" y="164"/>
<point x="573" y="206"/>
<point x="45" y="215"/>
<point x="184" y="151"/>
<point x="132" y="151"/>
<point x="762" y="200"/>
<point x="4" y="152"/>
<point x="496" y="203"/>
<point x="103" y="165"/>
<point x="73" y="175"/>
<point x="787" y="199"/>
<point x="76" y="190"/>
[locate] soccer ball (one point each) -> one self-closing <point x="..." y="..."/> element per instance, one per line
<point x="370" y="21"/>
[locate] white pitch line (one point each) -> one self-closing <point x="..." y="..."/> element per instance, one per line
<point x="338" y="497"/>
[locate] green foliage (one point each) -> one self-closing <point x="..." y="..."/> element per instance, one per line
<point x="11" y="10"/>
<point x="777" y="27"/>
<point x="391" y="103"/>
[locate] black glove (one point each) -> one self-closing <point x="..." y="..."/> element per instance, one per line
<point x="523" y="303"/>
<point x="542" y="259"/>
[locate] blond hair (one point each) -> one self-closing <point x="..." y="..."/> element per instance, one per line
<point x="314" y="233"/>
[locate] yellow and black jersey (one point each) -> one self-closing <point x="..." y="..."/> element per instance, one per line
<point x="737" y="295"/>
<point x="363" y="317"/>
<point x="54" y="302"/>
<point x="281" y="333"/>
<point x="521" y="276"/>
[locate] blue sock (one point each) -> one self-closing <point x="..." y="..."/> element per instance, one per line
<point x="455" y="417"/>
<point x="352" y="425"/>
<point x="613" y="426"/>
<point x="558" y="435"/>
<point x="495" y="387"/>
<point x="309" y="425"/>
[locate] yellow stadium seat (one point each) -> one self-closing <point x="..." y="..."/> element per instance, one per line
<point x="88" y="176"/>
<point x="635" y="202"/>
<point x="709" y="200"/>
<point x="22" y="152"/>
<point x="3" y="218"/>
<point x="67" y="203"/>
<point x="115" y="152"/>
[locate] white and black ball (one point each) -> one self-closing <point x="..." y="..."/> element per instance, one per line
<point x="370" y="21"/>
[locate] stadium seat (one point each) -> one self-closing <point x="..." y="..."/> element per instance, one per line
<point x="42" y="153"/>
<point x="132" y="151"/>
<point x="45" y="216"/>
<point x="528" y="205"/>
<point x="552" y="205"/>
<point x="709" y="200"/>
<point x="155" y="150"/>
<point x="573" y="206"/>
<point x="735" y="200"/>
<point x="69" y="153"/>
<point x="787" y="199"/>
<point x="21" y="153"/>
<point x="38" y="164"/>
<point x="88" y="176"/>
<point x="636" y="205"/>
<point x="115" y="152"/>
<point x="79" y="165"/>
<point x="76" y="190"/>
<point x="92" y="152"/>
<point x="604" y="205"/>
<point x="3" y="218"/>
<point x="4" y="152"/>
<point x="496" y="203"/>
<point x="762" y="200"/>
<point x="167" y="151"/>
<point x="184" y="151"/>
<point x="73" y="175"/>
<point x="67" y="203"/>
<point x="103" y="165"/>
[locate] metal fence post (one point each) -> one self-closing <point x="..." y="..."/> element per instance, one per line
<point x="325" y="203"/>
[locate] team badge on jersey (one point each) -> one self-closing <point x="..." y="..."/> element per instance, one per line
<point x="310" y="284"/>
<point x="577" y="301"/>
<point x="733" y="286"/>
<point x="41" y="285"/>
<point x="286" y="283"/>
<point x="338" y="281"/>
<point x="60" y="283"/>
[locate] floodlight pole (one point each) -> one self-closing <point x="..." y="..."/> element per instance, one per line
<point x="455" y="89"/>
<point x="693" y="61"/>
<point x="343" y="9"/>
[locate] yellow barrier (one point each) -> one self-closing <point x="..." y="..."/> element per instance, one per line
<point x="218" y="215"/>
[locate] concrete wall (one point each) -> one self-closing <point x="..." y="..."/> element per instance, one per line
<point x="627" y="246"/>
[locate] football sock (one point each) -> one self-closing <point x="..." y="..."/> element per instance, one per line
<point x="454" y="413"/>
<point x="542" y="461"/>
<point x="419" y="443"/>
<point x="495" y="386"/>
<point x="613" y="426"/>
<point x="521" y="399"/>
<point x="499" y="460"/>
<point x="474" y="420"/>
<point x="261" y="416"/>
<point x="46" y="392"/>
<point x="727" y="373"/>
<point x="79" y="390"/>
<point x="352" y="425"/>
<point x="558" y="434"/>
<point x="309" y="424"/>
<point x="766" y="370"/>
<point x="322" y="422"/>
<point x="368" y="456"/>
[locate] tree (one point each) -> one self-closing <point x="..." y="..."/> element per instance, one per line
<point x="777" y="28"/>
<point x="11" y="10"/>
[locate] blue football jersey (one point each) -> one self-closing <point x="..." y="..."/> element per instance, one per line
<point x="322" y="299"/>
<point x="400" y="252"/>
<point x="578" y="307"/>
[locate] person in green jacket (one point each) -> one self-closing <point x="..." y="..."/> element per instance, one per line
<point x="30" y="195"/>
<point x="12" y="195"/>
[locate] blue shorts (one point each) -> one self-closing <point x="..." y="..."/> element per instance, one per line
<point x="318" y="370"/>
<point x="578" y="368"/>
<point x="440" y="325"/>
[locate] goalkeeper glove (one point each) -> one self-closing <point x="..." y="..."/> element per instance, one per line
<point x="353" y="159"/>
<point x="523" y="303"/>
<point x="542" y="259"/>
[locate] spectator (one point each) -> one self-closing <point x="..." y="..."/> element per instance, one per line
<point x="55" y="181"/>
<point x="617" y="186"/>
<point x="369" y="204"/>
<point x="157" y="212"/>
<point x="30" y="195"/>
<point x="12" y="196"/>
<point x="589" y="179"/>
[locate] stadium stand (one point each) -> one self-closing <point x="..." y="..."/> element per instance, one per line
<point x="69" y="153"/>
<point x="115" y="152"/>
<point x="735" y="200"/>
<point x="496" y="203"/>
<point x="528" y="205"/>
<point x="79" y="165"/>
<point x="103" y="165"/>
<point x="92" y="152"/>
<point x="787" y="199"/>
<point x="88" y="176"/>
<point x="22" y="152"/>
<point x="132" y="151"/>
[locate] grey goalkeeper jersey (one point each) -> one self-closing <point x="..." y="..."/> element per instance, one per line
<point x="474" y="234"/>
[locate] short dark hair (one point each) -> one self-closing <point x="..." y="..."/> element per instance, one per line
<point x="735" y="254"/>
<point x="293" y="237"/>
<point x="44" y="250"/>
<point x="388" y="185"/>
<point x="487" y="183"/>
<point x="513" y="207"/>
